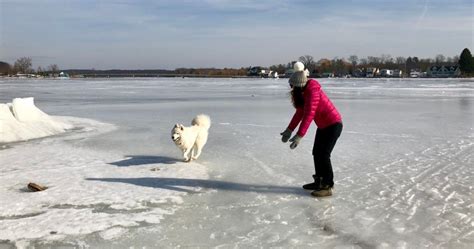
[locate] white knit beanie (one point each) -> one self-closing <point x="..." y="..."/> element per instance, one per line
<point x="298" y="78"/>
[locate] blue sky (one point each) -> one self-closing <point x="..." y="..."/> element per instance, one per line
<point x="145" y="34"/>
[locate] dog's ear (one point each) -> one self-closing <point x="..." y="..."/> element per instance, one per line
<point x="181" y="127"/>
<point x="176" y="125"/>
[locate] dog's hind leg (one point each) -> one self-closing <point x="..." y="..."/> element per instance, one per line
<point x="197" y="151"/>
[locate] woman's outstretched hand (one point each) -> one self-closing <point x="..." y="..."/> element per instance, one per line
<point x="295" y="140"/>
<point x="285" y="135"/>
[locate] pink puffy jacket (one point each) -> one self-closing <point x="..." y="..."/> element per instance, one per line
<point x="317" y="107"/>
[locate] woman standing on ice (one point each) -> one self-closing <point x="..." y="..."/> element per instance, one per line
<point x="312" y="103"/>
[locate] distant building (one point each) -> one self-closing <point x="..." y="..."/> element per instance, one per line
<point x="397" y="73"/>
<point x="288" y="73"/>
<point x="25" y="75"/>
<point x="258" y="71"/>
<point x="63" y="75"/>
<point x="327" y="75"/>
<point x="415" y="74"/>
<point x="386" y="73"/>
<point x="372" y="72"/>
<point x="358" y="73"/>
<point x="273" y="74"/>
<point x="262" y="72"/>
<point x="443" y="71"/>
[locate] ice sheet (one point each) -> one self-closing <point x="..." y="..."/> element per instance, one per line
<point x="403" y="166"/>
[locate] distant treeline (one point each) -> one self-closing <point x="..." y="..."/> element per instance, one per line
<point x="336" y="66"/>
<point x="349" y="66"/>
<point x="117" y="72"/>
<point x="192" y="72"/>
<point x="212" y="71"/>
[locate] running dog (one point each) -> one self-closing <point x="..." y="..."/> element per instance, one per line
<point x="191" y="139"/>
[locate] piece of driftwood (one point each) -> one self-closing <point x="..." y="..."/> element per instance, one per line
<point x="35" y="187"/>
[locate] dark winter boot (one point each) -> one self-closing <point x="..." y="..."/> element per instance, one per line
<point x="314" y="185"/>
<point x="323" y="191"/>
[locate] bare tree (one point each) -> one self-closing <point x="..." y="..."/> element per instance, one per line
<point x="53" y="68"/>
<point x="386" y="58"/>
<point x="308" y="61"/>
<point x="440" y="59"/>
<point x="373" y="61"/>
<point x="353" y="59"/>
<point x="400" y="60"/>
<point x="23" y="65"/>
<point x="456" y="59"/>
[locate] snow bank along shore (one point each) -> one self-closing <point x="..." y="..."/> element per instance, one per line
<point x="21" y="120"/>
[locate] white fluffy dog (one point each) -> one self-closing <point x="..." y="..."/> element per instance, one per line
<point x="191" y="139"/>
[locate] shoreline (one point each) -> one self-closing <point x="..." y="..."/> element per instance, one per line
<point x="208" y="76"/>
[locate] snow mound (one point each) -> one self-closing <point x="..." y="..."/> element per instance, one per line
<point x="21" y="120"/>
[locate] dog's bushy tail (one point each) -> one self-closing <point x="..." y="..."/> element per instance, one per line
<point x="202" y="120"/>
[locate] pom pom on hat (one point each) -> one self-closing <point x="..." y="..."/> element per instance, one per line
<point x="298" y="66"/>
<point x="298" y="78"/>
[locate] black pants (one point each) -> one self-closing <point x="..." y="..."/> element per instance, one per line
<point x="323" y="144"/>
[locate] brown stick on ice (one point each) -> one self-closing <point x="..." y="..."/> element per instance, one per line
<point x="35" y="187"/>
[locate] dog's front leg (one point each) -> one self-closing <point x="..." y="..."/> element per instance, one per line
<point x="186" y="155"/>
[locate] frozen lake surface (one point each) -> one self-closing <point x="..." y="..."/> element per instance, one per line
<point x="403" y="167"/>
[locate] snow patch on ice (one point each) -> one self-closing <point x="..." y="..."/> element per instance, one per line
<point x="87" y="192"/>
<point x="113" y="233"/>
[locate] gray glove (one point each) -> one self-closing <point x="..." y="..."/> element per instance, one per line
<point x="295" y="140"/>
<point x="285" y="135"/>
